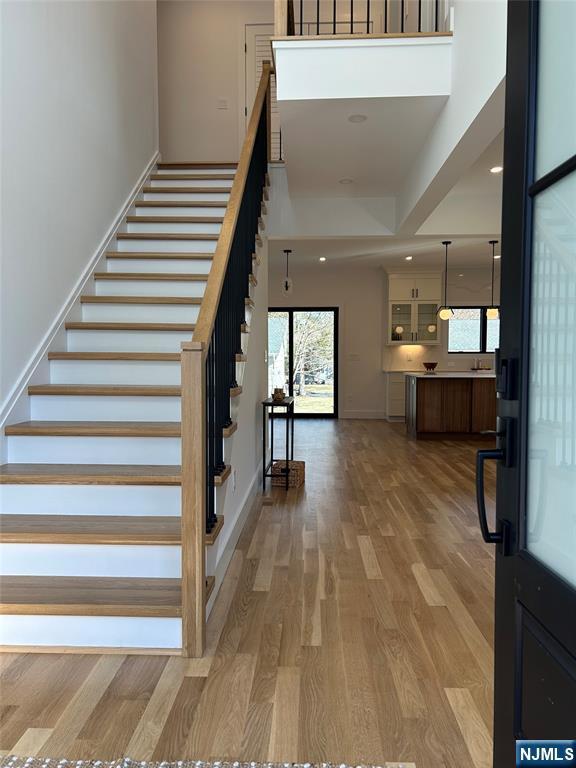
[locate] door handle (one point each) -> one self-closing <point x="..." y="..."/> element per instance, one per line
<point x="496" y="454"/>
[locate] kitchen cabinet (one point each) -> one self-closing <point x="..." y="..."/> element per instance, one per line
<point x="421" y="286"/>
<point x="412" y="305"/>
<point x="455" y="405"/>
<point x="413" y="322"/>
<point x="395" y="396"/>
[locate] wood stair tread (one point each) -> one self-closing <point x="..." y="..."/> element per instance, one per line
<point x="90" y="529"/>
<point x="159" y="255"/>
<point x="191" y="176"/>
<point x="223" y="476"/>
<point x="165" y="357"/>
<point x="180" y="204"/>
<point x="166" y="236"/>
<point x="186" y="300"/>
<point x="175" y="219"/>
<point x="211" y="537"/>
<point x="94" y="429"/>
<point x="89" y="474"/>
<point x="198" y="164"/>
<point x="152" y="276"/>
<point x="111" y="390"/>
<point x="186" y="190"/>
<point x="83" y="325"/>
<point x="126" y="390"/>
<point x="96" y="596"/>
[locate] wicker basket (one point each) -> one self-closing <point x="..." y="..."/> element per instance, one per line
<point x="295" y="478"/>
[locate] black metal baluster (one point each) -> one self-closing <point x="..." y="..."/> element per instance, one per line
<point x="334" y="17"/>
<point x="317" y="17"/>
<point x="436" y="14"/>
<point x="351" y="17"/>
<point x="367" y="17"/>
<point x="301" y="17"/>
<point x="402" y="16"/>
<point x="419" y="15"/>
<point x="385" y="17"/>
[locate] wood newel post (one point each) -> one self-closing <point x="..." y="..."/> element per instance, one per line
<point x="193" y="420"/>
<point x="280" y="18"/>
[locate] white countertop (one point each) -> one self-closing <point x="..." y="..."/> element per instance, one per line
<point x="452" y="374"/>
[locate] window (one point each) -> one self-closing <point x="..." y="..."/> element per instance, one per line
<point x="471" y="332"/>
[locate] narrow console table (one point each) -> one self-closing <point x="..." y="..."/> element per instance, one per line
<point x="268" y="407"/>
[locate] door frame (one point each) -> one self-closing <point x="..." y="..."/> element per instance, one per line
<point x="335" y="311"/>
<point x="528" y="594"/>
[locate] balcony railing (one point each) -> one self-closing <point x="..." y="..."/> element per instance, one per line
<point x="303" y="18"/>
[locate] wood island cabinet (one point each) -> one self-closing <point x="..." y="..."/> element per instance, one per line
<point x="445" y="405"/>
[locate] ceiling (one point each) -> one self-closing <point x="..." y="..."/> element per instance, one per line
<point x="478" y="191"/>
<point x="389" y="252"/>
<point x="331" y="148"/>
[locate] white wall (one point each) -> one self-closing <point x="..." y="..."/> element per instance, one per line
<point x="201" y="62"/>
<point x="358" y="292"/>
<point x="78" y="128"/>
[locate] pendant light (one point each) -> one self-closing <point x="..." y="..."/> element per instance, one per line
<point x="287" y="284"/>
<point x="493" y="312"/>
<point x="445" y="312"/>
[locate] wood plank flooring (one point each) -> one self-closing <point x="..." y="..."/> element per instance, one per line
<point x="354" y="625"/>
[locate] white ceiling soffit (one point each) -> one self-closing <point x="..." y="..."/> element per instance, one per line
<point x="322" y="147"/>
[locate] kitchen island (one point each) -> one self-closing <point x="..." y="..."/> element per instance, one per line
<point x="455" y="404"/>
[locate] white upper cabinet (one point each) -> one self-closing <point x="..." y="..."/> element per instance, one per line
<point x="423" y="287"/>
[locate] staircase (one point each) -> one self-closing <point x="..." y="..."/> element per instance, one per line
<point x="103" y="525"/>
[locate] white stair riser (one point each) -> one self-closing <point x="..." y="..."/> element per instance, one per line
<point x="184" y="266"/>
<point x="140" y="313"/>
<point x="94" y="450"/>
<point x="114" y="372"/>
<point x="94" y="408"/>
<point x="142" y="561"/>
<point x="200" y="197"/>
<point x="91" y="631"/>
<point x="190" y="183"/>
<point x="191" y="288"/>
<point x="178" y="210"/>
<point x="155" y="500"/>
<point x="195" y="171"/>
<point x="166" y="246"/>
<point x="126" y="341"/>
<point x="192" y="228"/>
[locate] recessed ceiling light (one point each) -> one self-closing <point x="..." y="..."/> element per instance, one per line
<point x="408" y="258"/>
<point x="497" y="256"/>
<point x="496" y="169"/>
<point x="461" y="274"/>
<point x="322" y="258"/>
<point x="357" y="119"/>
<point x="346" y="181"/>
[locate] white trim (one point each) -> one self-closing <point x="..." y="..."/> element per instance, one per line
<point x="11" y="400"/>
<point x="360" y="42"/>
<point x="230" y="546"/>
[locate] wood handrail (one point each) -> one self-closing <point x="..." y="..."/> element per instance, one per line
<point x="207" y="315"/>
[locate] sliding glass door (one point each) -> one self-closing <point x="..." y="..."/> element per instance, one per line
<point x="302" y="358"/>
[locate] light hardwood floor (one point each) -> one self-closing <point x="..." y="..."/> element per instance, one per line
<point x="354" y="625"/>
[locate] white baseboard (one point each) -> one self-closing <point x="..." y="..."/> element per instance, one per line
<point x="230" y="546"/>
<point x="18" y="391"/>
<point x="362" y="415"/>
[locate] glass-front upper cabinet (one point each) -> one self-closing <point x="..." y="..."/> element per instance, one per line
<point x="413" y="322"/>
<point x="426" y="323"/>
<point x="401" y="322"/>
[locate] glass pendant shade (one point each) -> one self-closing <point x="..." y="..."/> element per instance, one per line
<point x="431" y="328"/>
<point x="445" y="313"/>
<point x="399" y="329"/>
<point x="492" y="313"/>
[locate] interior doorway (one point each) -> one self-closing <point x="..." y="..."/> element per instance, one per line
<point x="303" y="358"/>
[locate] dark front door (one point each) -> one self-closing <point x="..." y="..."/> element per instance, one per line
<point x="535" y="529"/>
